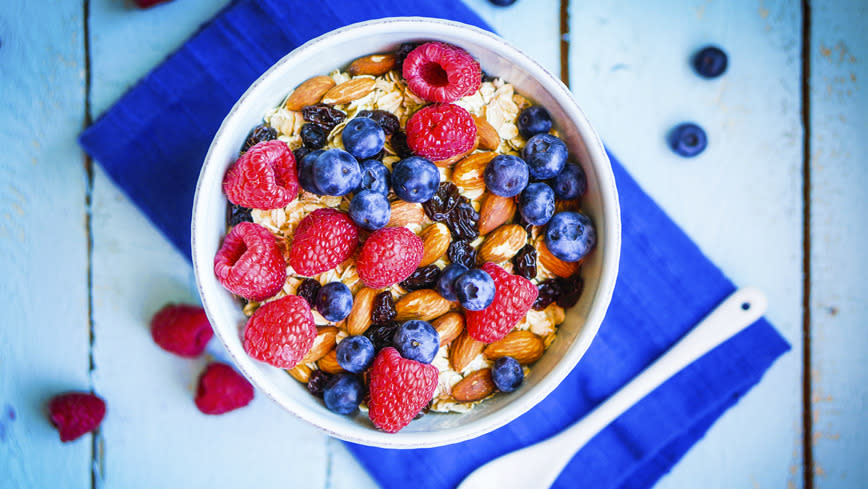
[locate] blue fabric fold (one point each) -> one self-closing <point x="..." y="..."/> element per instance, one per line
<point x="152" y="143"/>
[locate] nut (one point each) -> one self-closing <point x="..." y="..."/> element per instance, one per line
<point x="348" y="91"/>
<point x="436" y="239"/>
<point x="503" y="243"/>
<point x="567" y="205"/>
<point x="494" y="211"/>
<point x="404" y="213"/>
<point x="375" y="64"/>
<point x="300" y="372"/>
<point x="309" y="92"/>
<point x="449" y="326"/>
<point x="329" y="363"/>
<point x="467" y="173"/>
<point x="522" y="345"/>
<point x="554" y="264"/>
<point x="360" y="315"/>
<point x="448" y="162"/>
<point x="488" y="138"/>
<point x="474" y="387"/>
<point x="324" y="341"/>
<point x="424" y="304"/>
<point x="463" y="350"/>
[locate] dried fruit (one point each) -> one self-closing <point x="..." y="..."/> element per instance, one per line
<point x="435" y="241"/>
<point x="549" y="291"/>
<point x="309" y="92"/>
<point x="462" y="221"/>
<point x="398" y="141"/>
<point x="477" y="385"/>
<point x="463" y="350"/>
<point x="326" y="338"/>
<point x="425" y="304"/>
<point x="494" y="211"/>
<point x="325" y="116"/>
<point x="317" y="382"/>
<point x="258" y="134"/>
<point x="423" y="278"/>
<point x="463" y="253"/>
<point x="443" y="202"/>
<point x="488" y="137"/>
<point x="449" y="326"/>
<point x="308" y="290"/>
<point x="381" y="334"/>
<point x="571" y="291"/>
<point x="374" y="64"/>
<point x="405" y="213"/>
<point x="348" y="91"/>
<point x="503" y="243"/>
<point x="524" y="262"/>
<point x="383" y="308"/>
<point x="360" y="316"/>
<point x="524" y="346"/>
<point x="384" y="118"/>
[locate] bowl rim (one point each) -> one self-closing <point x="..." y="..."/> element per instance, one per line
<point x="610" y="209"/>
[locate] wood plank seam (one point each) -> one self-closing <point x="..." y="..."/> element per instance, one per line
<point x="807" y="419"/>
<point x="565" y="42"/>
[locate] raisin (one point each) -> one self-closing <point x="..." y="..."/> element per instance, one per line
<point x="308" y="290"/>
<point x="463" y="220"/>
<point x="381" y="334"/>
<point x="236" y="214"/>
<point x="317" y="382"/>
<point x="443" y="202"/>
<point x="383" y="309"/>
<point x="384" y="118"/>
<point x="422" y="278"/>
<point x="313" y="136"/>
<point x="524" y="224"/>
<point x="462" y="253"/>
<point x="402" y="52"/>
<point x="400" y="146"/>
<point x="524" y="262"/>
<point x="487" y="78"/>
<point x="258" y="134"/>
<point x="323" y="115"/>
<point x="549" y="291"/>
<point x="571" y="290"/>
<point x="423" y="411"/>
<point x="300" y="153"/>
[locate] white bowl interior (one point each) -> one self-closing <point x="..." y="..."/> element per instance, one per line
<point x="336" y="49"/>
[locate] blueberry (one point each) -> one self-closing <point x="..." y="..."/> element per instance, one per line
<point x="415" y="179"/>
<point x="343" y="393"/>
<point x="417" y="340"/>
<point x="305" y="171"/>
<point x="502" y="3"/>
<point x="710" y="62"/>
<point x="313" y="136"/>
<point x="506" y="175"/>
<point x="375" y="176"/>
<point x="334" y="301"/>
<point x="571" y="182"/>
<point x="363" y="137"/>
<point x="336" y="172"/>
<point x="570" y="236"/>
<point x="537" y="203"/>
<point x="534" y="120"/>
<point x="355" y="354"/>
<point x="475" y="289"/>
<point x="446" y="283"/>
<point x="370" y="210"/>
<point x="545" y="156"/>
<point x="507" y="374"/>
<point x="688" y="139"/>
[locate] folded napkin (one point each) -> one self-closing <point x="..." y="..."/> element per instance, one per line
<point x="154" y="139"/>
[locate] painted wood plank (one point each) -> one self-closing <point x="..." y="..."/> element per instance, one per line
<point x="839" y="309"/>
<point x="740" y="200"/>
<point x="43" y="295"/>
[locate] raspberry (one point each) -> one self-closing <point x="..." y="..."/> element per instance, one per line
<point x="221" y="389"/>
<point x="440" y="72"/>
<point x="262" y="178"/>
<point x="513" y="297"/>
<point x="440" y="131"/>
<point x="399" y="389"/>
<point x="181" y="329"/>
<point x="389" y="256"/>
<point x="75" y="413"/>
<point x="249" y="263"/>
<point x="280" y="332"/>
<point x="323" y="240"/>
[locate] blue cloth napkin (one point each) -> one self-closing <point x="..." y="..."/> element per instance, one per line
<point x="154" y="139"/>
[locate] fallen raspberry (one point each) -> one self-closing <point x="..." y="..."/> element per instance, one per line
<point x="75" y="413"/>
<point x="439" y="72"/>
<point x="323" y="240"/>
<point x="513" y="298"/>
<point x="280" y="332"/>
<point x="399" y="389"/>
<point x="441" y="131"/>
<point x="249" y="263"/>
<point x="263" y="178"/>
<point x="181" y="329"/>
<point x="389" y="256"/>
<point x="221" y="389"/>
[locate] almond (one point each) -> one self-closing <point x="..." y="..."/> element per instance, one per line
<point x="449" y="326"/>
<point x="424" y="304"/>
<point x="436" y="239"/>
<point x="524" y="346"/>
<point x="329" y="363"/>
<point x="324" y="341"/>
<point x="567" y="205"/>
<point x="348" y="91"/>
<point x="360" y="315"/>
<point x="503" y="243"/>
<point x="494" y="211"/>
<point x="463" y="350"/>
<point x="477" y="385"/>
<point x="309" y="92"/>
<point x="488" y="138"/>
<point x="467" y="173"/>
<point x="404" y="213"/>
<point x="448" y="162"/>
<point x="300" y="372"/>
<point x="554" y="264"/>
<point x="375" y="64"/>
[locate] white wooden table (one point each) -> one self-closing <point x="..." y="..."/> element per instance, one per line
<point x="777" y="201"/>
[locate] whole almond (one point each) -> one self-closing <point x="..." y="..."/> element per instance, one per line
<point x="567" y="205"/>
<point x="477" y="385"/>
<point x="503" y="243"/>
<point x="424" y="304"/>
<point x="309" y="92"/>
<point x="329" y="363"/>
<point x="360" y="315"/>
<point x="449" y="326"/>
<point x="375" y="64"/>
<point x="448" y="162"/>
<point x="324" y="341"/>
<point x="463" y="350"/>
<point x="494" y="211"/>
<point x="300" y="372"/>
<point x="404" y="213"/>
<point x="488" y="138"/>
<point x="436" y="239"/>
<point x="348" y="91"/>
<point x="524" y="346"/>
<point x="467" y="173"/>
<point x="554" y="264"/>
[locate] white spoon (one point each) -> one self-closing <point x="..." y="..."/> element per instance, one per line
<point x="537" y="466"/>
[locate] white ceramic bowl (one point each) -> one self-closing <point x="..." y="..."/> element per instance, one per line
<point x="336" y="49"/>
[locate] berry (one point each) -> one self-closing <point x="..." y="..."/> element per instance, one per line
<point x="307" y="290"/>
<point x="336" y="172"/>
<point x="537" y="203"/>
<point x="417" y="340"/>
<point x="475" y="289"/>
<point x="262" y="178"/>
<point x="249" y="262"/>
<point x="441" y="131"/>
<point x="343" y="393"/>
<point x="76" y="413"/>
<point x="710" y="62"/>
<point x="534" y="120"/>
<point x="317" y="382"/>
<point x="688" y="139"/>
<point x="375" y="176"/>
<point x="507" y="374"/>
<point x="363" y="137"/>
<point x="370" y="210"/>
<point x="258" y="134"/>
<point x="387" y="120"/>
<point x="305" y="171"/>
<point x="446" y="284"/>
<point x="299" y="153"/>
<point x="313" y="136"/>
<point x="355" y="354"/>
<point x="570" y="183"/>
<point x="502" y="3"/>
<point x="401" y="54"/>
<point x="545" y="156"/>
<point x="423" y="278"/>
<point x="415" y="179"/>
<point x="399" y="389"/>
<point x="439" y="72"/>
<point x="506" y="175"/>
<point x="181" y="329"/>
<point x="236" y="214"/>
<point x="280" y="332"/>
<point x="322" y="241"/>
<point x="334" y="301"/>
<point x="389" y="256"/>
<point x="221" y="389"/>
<point x="570" y="236"/>
<point x="513" y="297"/>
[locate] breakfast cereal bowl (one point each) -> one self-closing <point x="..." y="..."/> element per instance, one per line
<point x="497" y="58"/>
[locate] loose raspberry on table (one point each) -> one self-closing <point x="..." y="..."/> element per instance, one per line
<point x="441" y="131"/>
<point x="389" y="256"/>
<point x="280" y="332"/>
<point x="513" y="298"/>
<point x="75" y="413"/>
<point x="440" y="72"/>
<point x="181" y="329"/>
<point x="263" y="178"/>
<point x="249" y="263"/>
<point x="399" y="389"/>
<point x="322" y="241"/>
<point x="221" y="389"/>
